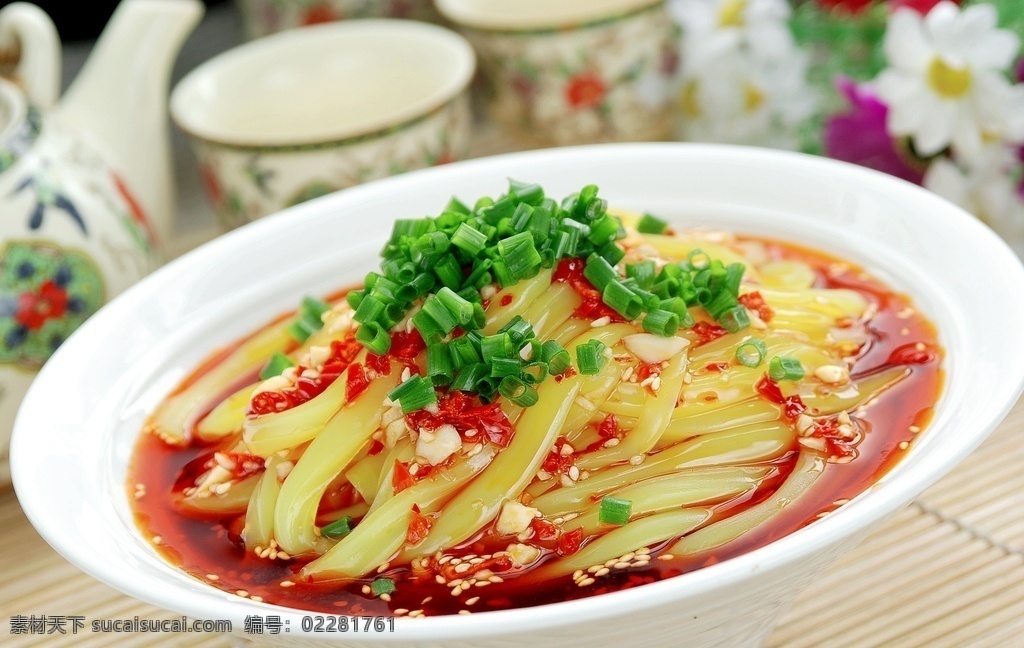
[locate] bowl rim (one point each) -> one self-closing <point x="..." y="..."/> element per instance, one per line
<point x="848" y="521"/>
<point x="557" y="16"/>
<point x="400" y="31"/>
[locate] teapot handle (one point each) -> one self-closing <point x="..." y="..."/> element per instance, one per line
<point x="30" y="52"/>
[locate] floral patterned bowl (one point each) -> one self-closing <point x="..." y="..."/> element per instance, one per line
<point x="262" y="17"/>
<point x="572" y="71"/>
<point x="303" y="113"/>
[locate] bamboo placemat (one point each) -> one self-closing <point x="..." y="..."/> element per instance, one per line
<point x="947" y="571"/>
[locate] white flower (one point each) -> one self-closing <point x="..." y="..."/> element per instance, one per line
<point x="740" y="98"/>
<point x="985" y="187"/>
<point x="945" y="84"/>
<point x="721" y="25"/>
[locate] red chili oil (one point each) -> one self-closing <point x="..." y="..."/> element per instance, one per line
<point x="205" y="547"/>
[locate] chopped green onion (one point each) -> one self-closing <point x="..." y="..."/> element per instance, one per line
<point x="556" y="357"/>
<point x="449" y="272"/>
<point x="590" y="357"/>
<point x="463" y="352"/>
<point x="517" y="391"/>
<point x="447" y="309"/>
<point x="370" y="308"/>
<point x="530" y="194"/>
<point x="698" y="259"/>
<point x="752" y="352"/>
<point x="735" y="319"/>
<point x="785" y="368"/>
<point x="649" y="224"/>
<point x="733" y="277"/>
<point x="518" y="329"/>
<point x="603" y="230"/>
<point x="499" y="345"/>
<point x="439" y="364"/>
<point x="534" y="373"/>
<point x="614" y="510"/>
<point x="414" y="394"/>
<point x="469" y="376"/>
<point x="338" y="529"/>
<point x="622" y="300"/>
<point x="519" y="253"/>
<point x="374" y="337"/>
<point x="469" y="239"/>
<point x="275" y="366"/>
<point x="720" y="304"/>
<point x="611" y="252"/>
<point x="501" y="367"/>
<point x="661" y="322"/>
<point x="301" y="329"/>
<point x="314" y="307"/>
<point x="600" y="272"/>
<point x="456" y="206"/>
<point x="382" y="586"/>
<point x="428" y="328"/>
<point x="643" y="272"/>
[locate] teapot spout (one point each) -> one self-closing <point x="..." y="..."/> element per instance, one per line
<point x="120" y="97"/>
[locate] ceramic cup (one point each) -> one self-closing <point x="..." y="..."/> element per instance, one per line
<point x="262" y="17"/>
<point x="574" y="71"/>
<point x="303" y="113"/>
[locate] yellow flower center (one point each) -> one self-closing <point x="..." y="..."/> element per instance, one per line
<point x="731" y="13"/>
<point x="948" y="81"/>
<point x="753" y="97"/>
<point x="689" y="99"/>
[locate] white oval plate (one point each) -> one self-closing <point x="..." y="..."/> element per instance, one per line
<point x="76" y="429"/>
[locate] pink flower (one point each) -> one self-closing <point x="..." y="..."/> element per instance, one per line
<point x="860" y="135"/>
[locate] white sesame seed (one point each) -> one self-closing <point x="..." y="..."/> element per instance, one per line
<point x="636" y="460"/>
<point x="586" y="581"/>
<point x="471" y="601"/>
<point x="601" y="321"/>
<point x="602" y="572"/>
<point x="574" y="473"/>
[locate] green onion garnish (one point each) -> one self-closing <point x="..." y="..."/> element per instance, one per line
<point x="374" y="337"/>
<point x="517" y="391"/>
<point x="590" y="357"/>
<point x="275" y="366"/>
<point x="414" y="394"/>
<point x="499" y="345"/>
<point x="382" y="586"/>
<point x="643" y="272"/>
<point x="785" y="368"/>
<point x="338" y="528"/>
<point x="469" y="239"/>
<point x="649" y="224"/>
<point x="439" y="364"/>
<point x="502" y="367"/>
<point x="614" y="510"/>
<point x="600" y="272"/>
<point x="661" y="322"/>
<point x="752" y="352"/>
<point x="556" y="358"/>
<point x="622" y="300"/>
<point x="735" y="319"/>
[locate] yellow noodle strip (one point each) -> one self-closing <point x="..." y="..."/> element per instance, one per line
<point x="809" y="467"/>
<point x="523" y="293"/>
<point x="378" y="536"/>
<point x="329" y="453"/>
<point x="657" y="412"/>
<point x="233" y="502"/>
<point x="754" y="443"/>
<point x="168" y="422"/>
<point x="228" y="417"/>
<point x="259" y="516"/>
<point x="668" y="492"/>
<point x="639" y="533"/>
<point x="508" y="474"/>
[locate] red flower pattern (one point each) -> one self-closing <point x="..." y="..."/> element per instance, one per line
<point x="585" y="90"/>
<point x="317" y="14"/>
<point x="34" y="309"/>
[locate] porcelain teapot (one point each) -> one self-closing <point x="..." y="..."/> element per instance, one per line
<point x="85" y="182"/>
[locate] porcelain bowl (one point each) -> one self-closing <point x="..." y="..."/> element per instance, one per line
<point x="305" y="112"/>
<point x="74" y="436"/>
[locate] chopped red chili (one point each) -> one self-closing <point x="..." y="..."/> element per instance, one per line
<point x="401" y="478"/>
<point x="419" y="526"/>
<point x="910" y="354"/>
<point x="706" y="332"/>
<point x="793" y="406"/>
<point x="755" y="302"/>
<point x="571" y="271"/>
<point x="609" y="427"/>
<point x="357" y="382"/>
<point x="569" y="543"/>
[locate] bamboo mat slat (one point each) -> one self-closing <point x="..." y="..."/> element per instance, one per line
<point x="948" y="571"/>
